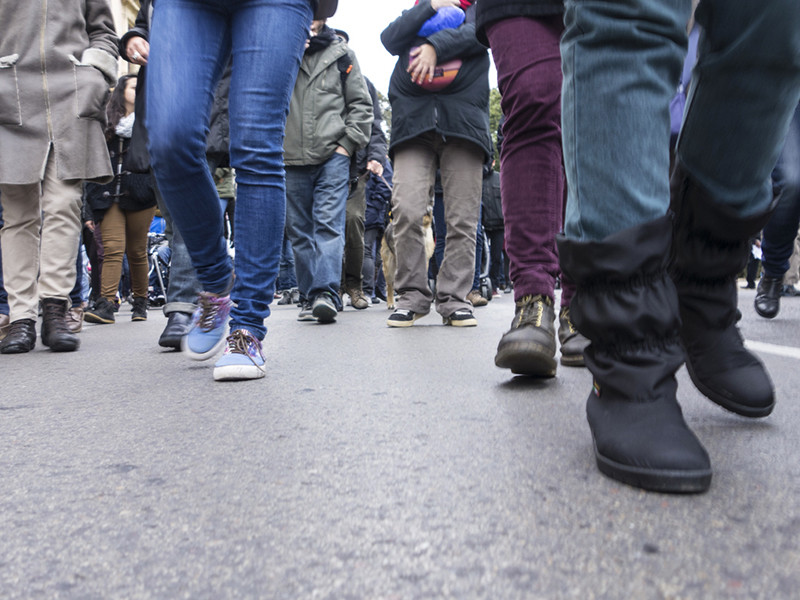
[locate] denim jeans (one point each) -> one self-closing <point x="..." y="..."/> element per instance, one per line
<point x="287" y="278"/>
<point x="622" y="61"/>
<point x="779" y="234"/>
<point x="3" y="293"/>
<point x="191" y="42"/>
<point x="316" y="199"/>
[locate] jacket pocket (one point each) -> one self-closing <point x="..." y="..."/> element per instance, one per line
<point x="10" y="108"/>
<point x="91" y="91"/>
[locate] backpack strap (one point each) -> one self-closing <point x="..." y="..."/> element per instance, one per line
<point x="345" y="65"/>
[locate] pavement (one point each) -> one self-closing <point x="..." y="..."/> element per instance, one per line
<point x="373" y="463"/>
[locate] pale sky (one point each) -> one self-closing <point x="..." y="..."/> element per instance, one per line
<point x="364" y="20"/>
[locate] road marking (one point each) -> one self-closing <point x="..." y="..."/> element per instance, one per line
<point x="789" y="351"/>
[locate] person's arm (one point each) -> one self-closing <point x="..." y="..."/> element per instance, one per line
<point x="137" y="36"/>
<point x="358" y="110"/>
<point x="376" y="149"/>
<point x="102" y="52"/>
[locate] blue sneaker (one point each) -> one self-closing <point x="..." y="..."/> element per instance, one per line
<point x="243" y="358"/>
<point x="209" y="327"/>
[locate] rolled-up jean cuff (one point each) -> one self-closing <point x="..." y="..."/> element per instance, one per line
<point x="181" y="307"/>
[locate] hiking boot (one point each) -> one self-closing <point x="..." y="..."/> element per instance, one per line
<point x="477" y="300"/>
<point x="102" y="313"/>
<point x="139" y="309"/>
<point x="178" y="324"/>
<point x="305" y="312"/>
<point x="403" y="317"/>
<point x="243" y="358"/>
<point x="358" y="299"/>
<point x="324" y="309"/>
<point x="572" y="343"/>
<point x="209" y="326"/>
<point x="529" y="347"/>
<point x="55" y="332"/>
<point x="20" y="337"/>
<point x="75" y="319"/>
<point x="627" y="306"/>
<point x="463" y="317"/>
<point x="768" y="297"/>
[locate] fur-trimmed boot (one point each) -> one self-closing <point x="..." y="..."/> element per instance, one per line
<point x="710" y="248"/>
<point x="627" y="306"/>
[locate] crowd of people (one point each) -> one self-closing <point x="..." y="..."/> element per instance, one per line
<point x="263" y="106"/>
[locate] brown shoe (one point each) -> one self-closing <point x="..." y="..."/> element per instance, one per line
<point x="572" y="343"/>
<point x="477" y="300"/>
<point x="358" y="299"/>
<point x="75" y="319"/>
<point x="56" y="335"/>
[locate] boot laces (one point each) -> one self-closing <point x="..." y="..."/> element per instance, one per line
<point x="55" y="316"/>
<point x="568" y="320"/>
<point x="531" y="310"/>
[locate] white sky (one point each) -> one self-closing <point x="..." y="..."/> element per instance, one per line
<point x="363" y="20"/>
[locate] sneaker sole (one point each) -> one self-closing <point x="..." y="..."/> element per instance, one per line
<point x="238" y="372"/>
<point x="204" y="355"/>
<point x="460" y="322"/>
<point x="410" y="323"/>
<point x="324" y="314"/>
<point x="655" y="480"/>
<point x="573" y="360"/>
<point x="91" y="318"/>
<point x="751" y="412"/>
<point x="307" y="318"/>
<point x="526" y="359"/>
<point x="138" y="319"/>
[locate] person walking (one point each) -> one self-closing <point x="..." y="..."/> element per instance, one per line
<point x="57" y="62"/>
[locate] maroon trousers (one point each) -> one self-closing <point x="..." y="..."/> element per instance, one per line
<point x="532" y="182"/>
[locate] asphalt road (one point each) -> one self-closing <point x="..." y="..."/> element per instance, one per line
<point x="372" y="463"/>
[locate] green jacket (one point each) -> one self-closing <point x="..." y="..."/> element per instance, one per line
<point x="323" y="113"/>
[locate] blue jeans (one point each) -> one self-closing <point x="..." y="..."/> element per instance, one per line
<point x="3" y="293"/>
<point x="781" y="231"/>
<point x="287" y="278"/>
<point x="622" y="61"/>
<point x="316" y="199"/>
<point x="191" y="42"/>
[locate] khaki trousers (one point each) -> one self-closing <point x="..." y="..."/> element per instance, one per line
<point x="415" y="164"/>
<point x="125" y="232"/>
<point x="40" y="241"/>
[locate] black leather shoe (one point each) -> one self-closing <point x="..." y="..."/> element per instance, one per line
<point x="177" y="327"/>
<point x="56" y="334"/>
<point x="21" y="337"/>
<point x="768" y="297"/>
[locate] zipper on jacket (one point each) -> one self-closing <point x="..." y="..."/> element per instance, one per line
<point x="44" y="71"/>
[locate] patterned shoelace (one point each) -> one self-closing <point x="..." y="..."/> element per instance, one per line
<point x="241" y="342"/>
<point x="213" y="310"/>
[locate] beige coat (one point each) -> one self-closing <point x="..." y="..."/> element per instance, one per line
<point x="57" y="61"/>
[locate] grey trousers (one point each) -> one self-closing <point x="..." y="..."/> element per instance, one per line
<point x="415" y="164"/>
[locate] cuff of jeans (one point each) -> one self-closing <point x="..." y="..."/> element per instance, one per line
<point x="181" y="307"/>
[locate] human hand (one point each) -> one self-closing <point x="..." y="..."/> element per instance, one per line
<point x="138" y="49"/>
<point x="90" y="225"/>
<point x="437" y="4"/>
<point x="343" y="151"/>
<point x="375" y="167"/>
<point x="422" y="63"/>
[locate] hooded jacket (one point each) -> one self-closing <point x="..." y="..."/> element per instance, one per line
<point x="459" y="110"/>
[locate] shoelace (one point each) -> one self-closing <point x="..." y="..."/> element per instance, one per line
<point x="531" y="310"/>
<point x="565" y="317"/>
<point x="54" y="313"/>
<point x="239" y="342"/>
<point x="209" y="307"/>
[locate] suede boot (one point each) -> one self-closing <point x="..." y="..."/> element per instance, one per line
<point x="55" y="331"/>
<point x="626" y="305"/>
<point x="710" y="248"/>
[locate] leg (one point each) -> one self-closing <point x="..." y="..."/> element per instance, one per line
<point x="137" y="224"/>
<point x="414" y="173"/>
<point x="368" y="268"/>
<point x="113" y="229"/>
<point x="354" y="235"/>
<point x="300" y="225"/>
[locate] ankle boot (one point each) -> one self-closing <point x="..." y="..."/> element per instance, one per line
<point x="21" y="337"/>
<point x="102" y="313"/>
<point x="55" y="331"/>
<point x="768" y="296"/>
<point x="710" y="248"/>
<point x="627" y="306"/>
<point x="139" y="309"/>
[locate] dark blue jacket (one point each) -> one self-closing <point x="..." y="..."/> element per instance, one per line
<point x="379" y="198"/>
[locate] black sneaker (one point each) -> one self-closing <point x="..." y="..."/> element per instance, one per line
<point x="305" y="312"/>
<point x="102" y="313"/>
<point x="139" y="309"/>
<point x="461" y="318"/>
<point x="324" y="309"/>
<point x="402" y="317"/>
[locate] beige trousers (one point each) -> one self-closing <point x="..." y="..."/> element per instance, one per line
<point x="40" y="241"/>
<point x="792" y="276"/>
<point x="415" y="164"/>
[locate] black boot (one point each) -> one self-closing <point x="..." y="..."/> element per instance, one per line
<point x="529" y="347"/>
<point x="55" y="330"/>
<point x="102" y="313"/>
<point x="768" y="296"/>
<point x="139" y="309"/>
<point x="21" y="337"/>
<point x="177" y="326"/>
<point x="710" y="248"/>
<point x="626" y="305"/>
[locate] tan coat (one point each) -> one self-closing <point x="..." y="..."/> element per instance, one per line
<point x="57" y="61"/>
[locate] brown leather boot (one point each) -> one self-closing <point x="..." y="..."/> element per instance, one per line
<point x="55" y="330"/>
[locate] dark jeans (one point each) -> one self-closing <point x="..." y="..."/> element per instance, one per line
<point x="532" y="184"/>
<point x="76" y="295"/>
<point x="781" y="231"/>
<point x="496" y="258"/>
<point x="287" y="279"/>
<point x="372" y="259"/>
<point x="92" y="241"/>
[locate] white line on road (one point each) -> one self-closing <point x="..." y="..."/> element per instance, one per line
<point x="773" y="349"/>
